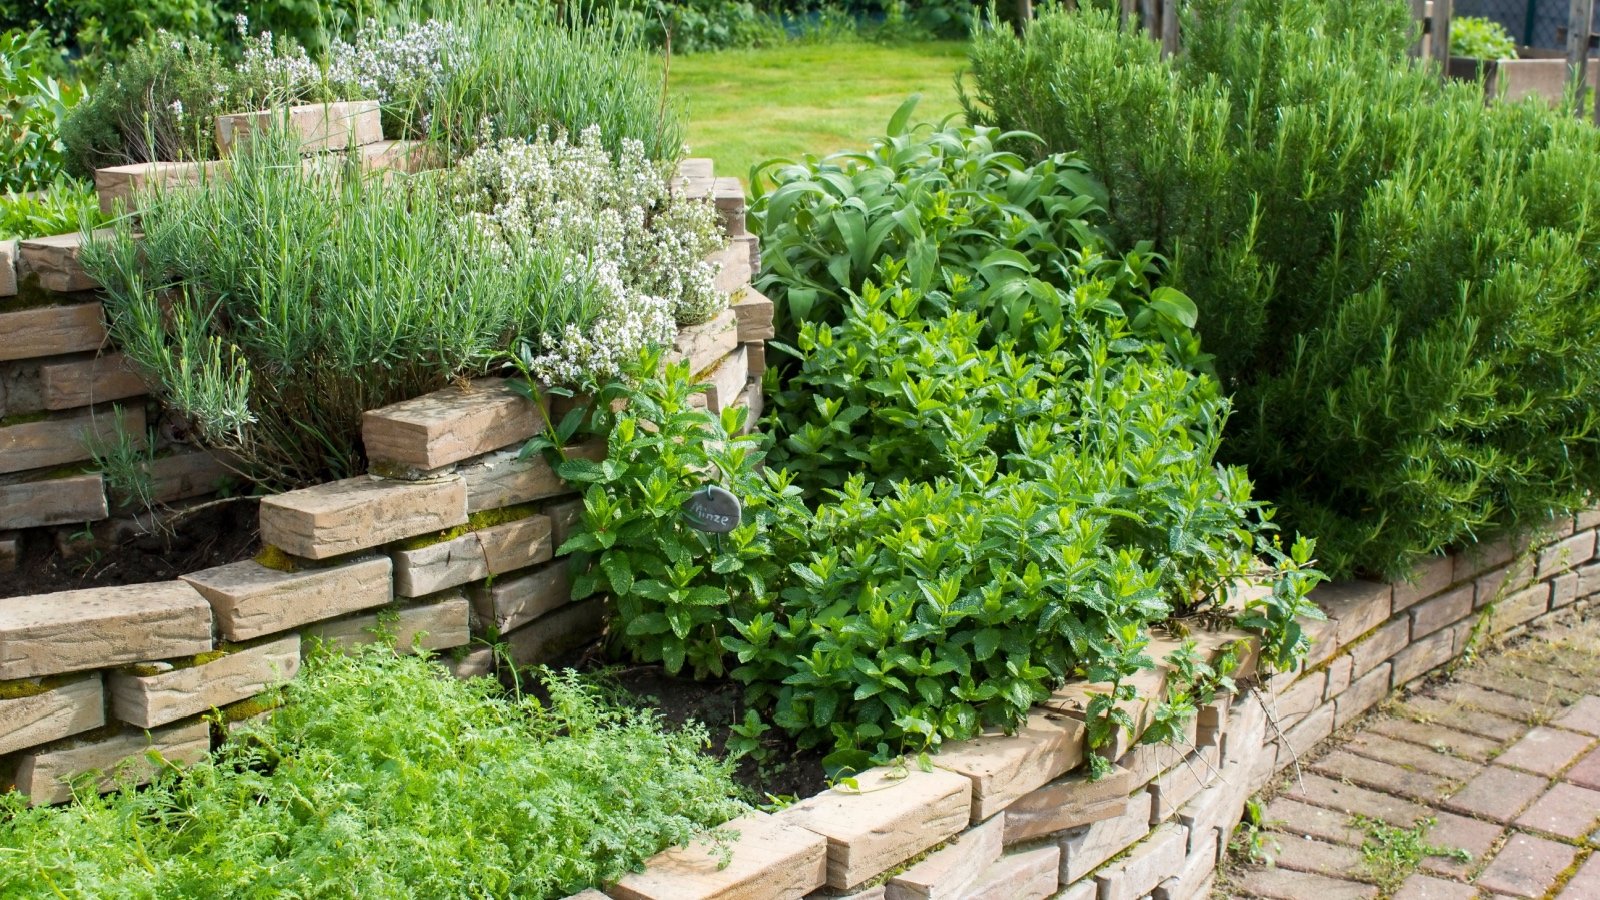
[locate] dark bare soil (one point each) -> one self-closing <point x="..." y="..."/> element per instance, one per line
<point x="133" y="550"/>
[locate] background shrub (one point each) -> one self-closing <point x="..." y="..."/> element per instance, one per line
<point x="34" y="100"/>
<point x="381" y="778"/>
<point x="1397" y="280"/>
<point x="1480" y="38"/>
<point x="62" y="207"/>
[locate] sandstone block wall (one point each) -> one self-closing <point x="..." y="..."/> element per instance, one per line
<point x="448" y="544"/>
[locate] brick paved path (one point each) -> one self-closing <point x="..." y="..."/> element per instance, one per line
<point x="1505" y="761"/>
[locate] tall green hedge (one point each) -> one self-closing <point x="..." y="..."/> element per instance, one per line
<point x="1399" y="283"/>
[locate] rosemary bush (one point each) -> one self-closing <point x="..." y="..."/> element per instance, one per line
<point x="382" y="778"/>
<point x="1398" y="281"/>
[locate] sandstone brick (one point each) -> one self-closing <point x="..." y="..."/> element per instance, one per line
<point x="1363" y="694"/>
<point x="1545" y="751"/>
<point x="1497" y="585"/>
<point x="407" y="157"/>
<point x="151" y="700"/>
<point x="1218" y="807"/>
<point x="704" y="345"/>
<point x="695" y="177"/>
<point x="1566" y="554"/>
<point x="438" y="567"/>
<point x="251" y="600"/>
<point x="441" y="624"/>
<point x="1146" y="761"/>
<point x="1324" y="640"/>
<point x="67" y="439"/>
<point x="1586" y="519"/>
<point x="566" y="518"/>
<point x="1498" y="794"/>
<point x="770" y="858"/>
<point x="357" y="513"/>
<point x="1589" y="581"/>
<point x="509" y="603"/>
<point x="1020" y="876"/>
<point x="1286" y="884"/>
<point x="474" y="664"/>
<point x="1247" y="728"/>
<point x="186" y="475"/>
<point x="1138" y="873"/>
<point x="724" y="383"/>
<point x="1378" y="646"/>
<point x="54" y="260"/>
<point x="61" y="711"/>
<point x="1356" y="606"/>
<point x="1563" y="590"/>
<point x="56" y="501"/>
<point x="1299" y="700"/>
<point x="99" y="627"/>
<point x="127" y="184"/>
<point x="318" y="126"/>
<point x="754" y="403"/>
<point x="1179" y="784"/>
<point x="1211" y="723"/>
<point x="1084" y="849"/>
<point x="85" y="382"/>
<point x="8" y="268"/>
<point x="733" y="268"/>
<point x="51" y="331"/>
<point x="1428" y="578"/>
<point x="1074" y="699"/>
<point x="1436" y="613"/>
<point x="1422" y="657"/>
<point x="1067" y="802"/>
<point x="10" y="552"/>
<point x="1003" y="767"/>
<point x="1311" y="731"/>
<point x="450" y="425"/>
<point x="1341" y="669"/>
<point x="546" y="638"/>
<point x="44" y="775"/>
<point x="1527" y="866"/>
<point x="1190" y="879"/>
<point x="502" y="479"/>
<point x="946" y="874"/>
<point x="515" y="545"/>
<point x="754" y="312"/>
<point x="1565" y="810"/>
<point x="894" y="815"/>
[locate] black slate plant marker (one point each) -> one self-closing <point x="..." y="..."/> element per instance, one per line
<point x="713" y="509"/>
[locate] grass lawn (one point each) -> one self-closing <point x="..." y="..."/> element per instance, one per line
<point x="748" y="106"/>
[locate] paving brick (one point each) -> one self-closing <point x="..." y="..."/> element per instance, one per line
<point x="1382" y="776"/>
<point x="1436" y="613"/>
<point x="1565" y="810"/>
<point x="159" y="698"/>
<point x="1526" y="866"/>
<point x="1496" y="678"/>
<point x="1303" y="854"/>
<point x="354" y="514"/>
<point x="318" y="126"/>
<point x="947" y="873"/>
<point x="96" y="628"/>
<point x="1583" y="716"/>
<point x="1390" y="638"/>
<point x="1300" y="819"/>
<point x="72" y="500"/>
<point x="1067" y="802"/>
<point x="1453" y="832"/>
<point x="1433" y="711"/>
<point x="1411" y="756"/>
<point x="1084" y="849"/>
<point x="450" y="425"/>
<point x="1357" y="606"/>
<point x="1545" y="751"/>
<point x="1422" y="657"/>
<point x="1286" y="884"/>
<point x="769" y="858"/>
<point x="1427" y="887"/>
<point x="1564" y="679"/>
<point x="1137" y="874"/>
<point x="1353" y="800"/>
<point x="1585" y="883"/>
<point x="1020" y="876"/>
<point x="1566" y="554"/>
<point x="85" y="382"/>
<point x="44" y="774"/>
<point x="1500" y="704"/>
<point x="893" y="816"/>
<point x="251" y="600"/>
<point x="1587" y="772"/>
<point x="1363" y="694"/>
<point x="50" y="715"/>
<point x="1004" y="767"/>
<point x="1498" y="794"/>
<point x="1520" y="608"/>
<point x="1428" y="578"/>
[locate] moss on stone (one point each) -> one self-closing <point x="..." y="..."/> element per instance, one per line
<point x="251" y="707"/>
<point x="428" y="540"/>
<point x="276" y="559"/>
<point x="29" y="687"/>
<point x="489" y="518"/>
<point x="25" y="418"/>
<point x="147" y="670"/>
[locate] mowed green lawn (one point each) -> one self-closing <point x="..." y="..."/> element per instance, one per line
<point x="747" y="106"/>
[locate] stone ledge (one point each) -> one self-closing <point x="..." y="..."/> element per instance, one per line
<point x="69" y="385"/>
<point x="251" y="600"/>
<point x="359" y="513"/>
<point x="771" y="859"/>
<point x="51" y="331"/>
<point x="442" y="624"/>
<point x="505" y="478"/>
<point x="450" y="425"/>
<point x="57" y="713"/>
<point x="147" y="701"/>
<point x="55" y="261"/>
<point x="319" y="126"/>
<point x="72" y="500"/>
<point x="43" y="774"/>
<point x="125" y="184"/>
<point x="65" y="439"/>
<point x="95" y="628"/>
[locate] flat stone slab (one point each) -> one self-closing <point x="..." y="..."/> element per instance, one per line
<point x="947" y="873"/>
<point x="1068" y="802"/>
<point x="319" y="126"/>
<point x="51" y="331"/>
<point x="359" y="513"/>
<point x="771" y="859"/>
<point x="65" y="439"/>
<point x="51" y="715"/>
<point x="1004" y="767"/>
<point x="74" y="499"/>
<point x="891" y="816"/>
<point x="1031" y="875"/>
<point x="44" y="775"/>
<point x="512" y="602"/>
<point x="504" y="478"/>
<point x="96" y="628"/>
<point x="157" y="699"/>
<point x="126" y="184"/>
<point x="55" y="260"/>
<point x="474" y="556"/>
<point x="705" y="344"/>
<point x="440" y="625"/>
<point x="251" y="600"/>
<point x="69" y="385"/>
<point x="450" y="425"/>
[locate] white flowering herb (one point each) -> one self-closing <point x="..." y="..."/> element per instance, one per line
<point x="642" y="250"/>
<point x="399" y="66"/>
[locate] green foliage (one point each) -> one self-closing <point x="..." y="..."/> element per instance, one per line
<point x="1398" y="281"/>
<point x="33" y="103"/>
<point x="123" y="457"/>
<point x="701" y="25"/>
<point x="382" y="778"/>
<point x="274" y="306"/>
<point x="61" y="207"/>
<point x="1390" y="854"/>
<point x="1480" y="38"/>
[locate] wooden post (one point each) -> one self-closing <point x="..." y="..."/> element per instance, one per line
<point x="1419" y="14"/>
<point x="1024" y="15"/>
<point x="1127" y="11"/>
<point x="1580" y="22"/>
<point x="1442" y="10"/>
<point x="1169" y="27"/>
